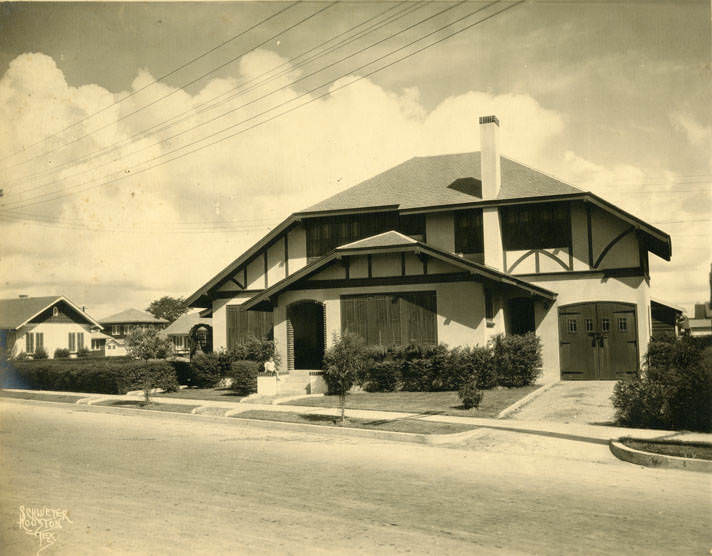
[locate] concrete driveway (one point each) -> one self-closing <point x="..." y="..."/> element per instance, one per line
<point x="572" y="402"/>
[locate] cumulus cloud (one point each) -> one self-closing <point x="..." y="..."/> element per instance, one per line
<point x="166" y="230"/>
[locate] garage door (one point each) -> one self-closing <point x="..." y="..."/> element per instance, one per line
<point x="598" y="341"/>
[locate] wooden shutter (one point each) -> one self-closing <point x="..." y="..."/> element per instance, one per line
<point x="29" y="342"/>
<point x="80" y="340"/>
<point x="72" y="341"/>
<point x="39" y="339"/>
<point x="233" y="325"/>
<point x="418" y="318"/>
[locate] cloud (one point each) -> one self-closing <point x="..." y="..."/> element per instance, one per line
<point x="168" y="229"/>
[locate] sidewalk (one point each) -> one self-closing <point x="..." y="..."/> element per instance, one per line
<point x="572" y="431"/>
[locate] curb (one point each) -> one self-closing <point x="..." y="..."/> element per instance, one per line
<point x="516" y="406"/>
<point x="413" y="438"/>
<point x="649" y="459"/>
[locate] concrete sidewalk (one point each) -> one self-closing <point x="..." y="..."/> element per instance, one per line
<point x="573" y="431"/>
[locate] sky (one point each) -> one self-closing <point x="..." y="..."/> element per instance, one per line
<point x="275" y="106"/>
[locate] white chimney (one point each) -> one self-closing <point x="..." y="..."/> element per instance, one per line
<point x="489" y="157"/>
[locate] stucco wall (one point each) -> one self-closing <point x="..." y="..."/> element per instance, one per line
<point x="440" y="230"/>
<point x="220" y="319"/>
<point x="604" y="228"/>
<point x="460" y="305"/>
<point x="583" y="288"/>
<point x="56" y="335"/>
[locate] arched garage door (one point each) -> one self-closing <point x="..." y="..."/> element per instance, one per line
<point x="598" y="341"/>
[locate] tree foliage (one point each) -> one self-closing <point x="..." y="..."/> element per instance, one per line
<point x="343" y="362"/>
<point x="147" y="344"/>
<point x="167" y="307"/>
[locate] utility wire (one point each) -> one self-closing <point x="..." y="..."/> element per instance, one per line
<point x="165" y="76"/>
<point x="187" y="114"/>
<point x="126" y="172"/>
<point x="179" y="88"/>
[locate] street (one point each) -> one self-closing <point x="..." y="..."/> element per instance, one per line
<point x="161" y="485"/>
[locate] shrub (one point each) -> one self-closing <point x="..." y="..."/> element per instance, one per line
<point x="483" y="367"/>
<point x="207" y="369"/>
<point x="61" y="353"/>
<point x="100" y="376"/>
<point x="22" y="356"/>
<point x="83" y="352"/>
<point x="40" y="353"/>
<point x="673" y="392"/>
<point x="147" y="344"/>
<point x="244" y="376"/>
<point x="255" y="349"/>
<point x="183" y="370"/>
<point x="517" y="359"/>
<point x="383" y="376"/>
<point x="470" y="395"/>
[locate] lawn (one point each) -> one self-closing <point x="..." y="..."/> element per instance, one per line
<point x="63" y="398"/>
<point x="441" y="403"/>
<point x="140" y="404"/>
<point x="212" y="394"/>
<point x="399" y="425"/>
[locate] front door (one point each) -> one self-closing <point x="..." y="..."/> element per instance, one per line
<point x="598" y="341"/>
<point x="305" y="335"/>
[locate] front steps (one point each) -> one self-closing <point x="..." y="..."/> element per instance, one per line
<point x="295" y="383"/>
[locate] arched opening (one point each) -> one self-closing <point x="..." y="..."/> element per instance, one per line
<point x="305" y="335"/>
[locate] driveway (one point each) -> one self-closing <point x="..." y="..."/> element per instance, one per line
<point x="581" y="402"/>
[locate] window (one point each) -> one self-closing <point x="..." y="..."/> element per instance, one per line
<point x="572" y="326"/>
<point x="589" y="325"/>
<point x="72" y="341"/>
<point x="489" y="307"/>
<point x="30" y="342"/>
<point x="622" y="324"/>
<point x="116" y="329"/>
<point x="55" y="311"/>
<point x="469" y="237"/>
<point x="80" y="340"/>
<point x="605" y="325"/>
<point x="541" y="226"/>
<point x="391" y="319"/>
<point x="243" y="324"/>
<point x="412" y="225"/>
<point x="39" y="340"/>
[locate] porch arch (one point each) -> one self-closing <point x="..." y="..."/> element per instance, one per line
<point x="306" y="334"/>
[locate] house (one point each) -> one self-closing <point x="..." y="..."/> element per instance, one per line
<point x="701" y="323"/>
<point x="54" y="322"/>
<point x="450" y="249"/>
<point x="180" y="330"/>
<point x="666" y="319"/>
<point x="120" y="324"/>
<point x="105" y="345"/>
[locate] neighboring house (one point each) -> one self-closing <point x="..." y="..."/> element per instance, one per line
<point x="106" y="345"/>
<point x="119" y="325"/>
<point x="666" y="319"/>
<point x="450" y="249"/>
<point x="54" y="322"/>
<point x="701" y="324"/>
<point x="179" y="331"/>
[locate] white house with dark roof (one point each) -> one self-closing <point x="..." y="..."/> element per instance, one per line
<point x="30" y="323"/>
<point x="178" y="332"/>
<point x="449" y="249"/>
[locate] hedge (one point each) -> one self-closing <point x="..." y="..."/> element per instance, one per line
<point x="509" y="361"/>
<point x="87" y="375"/>
<point x="244" y="376"/>
<point x="673" y="391"/>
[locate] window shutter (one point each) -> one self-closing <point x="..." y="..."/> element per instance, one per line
<point x="80" y="340"/>
<point x="39" y="339"/>
<point x="29" y="343"/>
<point x="72" y="340"/>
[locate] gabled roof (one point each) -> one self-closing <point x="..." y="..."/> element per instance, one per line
<point x="386" y="239"/>
<point x="185" y="322"/>
<point x="414" y="247"/>
<point x="431" y="181"/>
<point x="16" y="312"/>
<point x="130" y="316"/>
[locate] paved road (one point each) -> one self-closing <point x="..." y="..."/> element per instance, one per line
<point x="160" y="485"/>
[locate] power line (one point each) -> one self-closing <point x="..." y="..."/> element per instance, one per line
<point x="190" y="112"/>
<point x="172" y="72"/>
<point x="180" y="88"/>
<point x="125" y="173"/>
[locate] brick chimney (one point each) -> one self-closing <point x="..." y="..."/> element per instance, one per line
<point x="491" y="176"/>
<point x="489" y="153"/>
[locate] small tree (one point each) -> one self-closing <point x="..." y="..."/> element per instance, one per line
<point x="342" y="364"/>
<point x="147" y="344"/>
<point x="167" y="307"/>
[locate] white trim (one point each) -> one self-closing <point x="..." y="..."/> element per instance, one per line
<point x="68" y="302"/>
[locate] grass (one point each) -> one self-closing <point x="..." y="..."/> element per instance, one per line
<point x="211" y="394"/>
<point x="61" y="398"/>
<point x="671" y="448"/>
<point x="401" y="425"/>
<point x="151" y="406"/>
<point x="441" y="403"/>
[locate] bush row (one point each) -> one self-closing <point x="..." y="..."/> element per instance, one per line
<point x="506" y="361"/>
<point x="673" y="391"/>
<point x="92" y="376"/>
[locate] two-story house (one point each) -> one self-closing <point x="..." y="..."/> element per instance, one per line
<point x="449" y="249"/>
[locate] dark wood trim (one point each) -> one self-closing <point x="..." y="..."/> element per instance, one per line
<point x="613" y="272"/>
<point x="537" y="267"/>
<point x="370" y="265"/>
<point x="342" y="212"/>
<point x="608" y="247"/>
<point x="241" y="286"/>
<point x="496" y="203"/>
<point x="589" y="233"/>
<point x="228" y="295"/>
<point x="519" y="260"/>
<point x="552" y="257"/>
<point x="265" y="259"/>
<point x="286" y="254"/>
<point x="388" y="281"/>
<point x="402" y="264"/>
